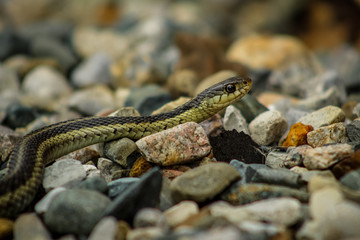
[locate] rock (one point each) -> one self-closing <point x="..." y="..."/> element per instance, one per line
<point x="9" y="87"/>
<point x="92" y="100"/>
<point x="140" y="167"/>
<point x="268" y="127"/>
<point x="66" y="173"/>
<point x="106" y="229"/>
<point x="239" y="194"/>
<point x="323" y="117"/>
<point x="326" y="156"/>
<point x="275" y="159"/>
<point x="282" y="177"/>
<point x="43" y="205"/>
<point x="204" y="182"/>
<point x="213" y="79"/>
<point x="18" y="115"/>
<point x="348" y="108"/>
<point x="94" y="183"/>
<point x="6" y="228"/>
<point x="213" y="126"/>
<point x="94" y="70"/>
<point x="43" y="46"/>
<point x="119" y="186"/>
<point x="234" y="120"/>
<point x="246" y="171"/>
<point x="91" y="171"/>
<point x="347" y="165"/>
<point x="144" y="193"/>
<point x="83" y="155"/>
<point x="182" y="83"/>
<point x="295" y="156"/>
<point x="230" y="145"/>
<point x="250" y="107"/>
<point x="353" y="130"/>
<point x="145" y="233"/>
<point x="150" y="217"/>
<point x="29" y="226"/>
<point x="259" y="230"/>
<point x="356" y="110"/>
<point x="8" y="138"/>
<point x="180" y="212"/>
<point x="45" y="84"/>
<point x="147" y="98"/>
<point x="84" y="206"/>
<point x="329" y="97"/>
<point x="181" y="144"/>
<point x="299" y="170"/>
<point x="120" y="150"/>
<point x="107" y="168"/>
<point x="12" y="42"/>
<point x="334" y="133"/>
<point x="297" y="135"/>
<point x="226" y="232"/>
<point x="263" y="51"/>
<point x="352" y="180"/>
<point x="171" y="105"/>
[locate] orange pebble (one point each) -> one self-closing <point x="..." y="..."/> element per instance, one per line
<point x="297" y="135"/>
<point x="140" y="167"/>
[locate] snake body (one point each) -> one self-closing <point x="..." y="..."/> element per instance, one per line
<point x="38" y="148"/>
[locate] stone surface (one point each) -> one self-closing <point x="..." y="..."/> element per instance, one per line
<point x="282" y="177"/>
<point x="234" y="120"/>
<point x="268" y="127"/>
<point x="118" y="186"/>
<point x="29" y="226"/>
<point x="171" y="105"/>
<point x="182" y="83"/>
<point x="106" y="229"/>
<point x="145" y="233"/>
<point x="353" y="130"/>
<point x="326" y="156"/>
<point x="140" y="166"/>
<point x="334" y="133"/>
<point x="204" y="182"/>
<point x="94" y="183"/>
<point x="150" y="217"/>
<point x="316" y="101"/>
<point x="181" y="144"/>
<point x="297" y="135"/>
<point x="9" y="87"/>
<point x="120" y="150"/>
<point x="180" y="212"/>
<point x="86" y="208"/>
<point x="43" y="205"/>
<point x="295" y="156"/>
<point x="107" y="168"/>
<point x="66" y="173"/>
<point x="6" y="228"/>
<point x="275" y="159"/>
<point x="352" y="180"/>
<point x="323" y="117"/>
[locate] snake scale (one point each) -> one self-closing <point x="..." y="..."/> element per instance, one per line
<point x="36" y="149"/>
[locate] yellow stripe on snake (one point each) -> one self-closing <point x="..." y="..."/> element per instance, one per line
<point x="38" y="148"/>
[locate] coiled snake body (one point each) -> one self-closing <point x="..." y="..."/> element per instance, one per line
<point x="38" y="148"/>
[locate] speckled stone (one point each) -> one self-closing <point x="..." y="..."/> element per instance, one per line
<point x="234" y="120"/>
<point x="180" y="212"/>
<point x="353" y="130"/>
<point x="297" y="135"/>
<point x="326" y="156"/>
<point x="323" y="117"/>
<point x="120" y="150"/>
<point x="268" y="127"/>
<point x="140" y="167"/>
<point x="181" y="144"/>
<point x="334" y="133"/>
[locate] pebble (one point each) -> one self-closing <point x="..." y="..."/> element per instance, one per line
<point x="90" y="101"/>
<point x="250" y="107"/>
<point x="330" y="97"/>
<point x="182" y="83"/>
<point x="275" y="159"/>
<point x="145" y="233"/>
<point x="213" y="126"/>
<point x="85" y="207"/>
<point x="234" y="120"/>
<point x="9" y="87"/>
<point x="6" y="228"/>
<point x="140" y="167"/>
<point x="297" y="135"/>
<point x="326" y="156"/>
<point x="239" y="194"/>
<point x="347" y="165"/>
<point x="204" y="182"/>
<point x="91" y="171"/>
<point x="144" y="193"/>
<point x="323" y="117"/>
<point x="94" y="183"/>
<point x="106" y="229"/>
<point x="107" y="168"/>
<point x="94" y="70"/>
<point x="120" y="150"/>
<point x="268" y="127"/>
<point x="66" y="173"/>
<point x="29" y="226"/>
<point x="353" y="130"/>
<point x="180" y="212"/>
<point x="43" y="205"/>
<point x="246" y="170"/>
<point x="295" y="156"/>
<point x="282" y="177"/>
<point x="118" y="186"/>
<point x="171" y="105"/>
<point x="334" y="133"/>
<point x="18" y="115"/>
<point x="181" y="144"/>
<point x="356" y="110"/>
<point x="45" y="84"/>
<point x="150" y="217"/>
<point x="352" y="180"/>
<point x="147" y="98"/>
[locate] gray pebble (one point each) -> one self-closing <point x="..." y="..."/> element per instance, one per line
<point x="150" y="217"/>
<point x="234" y="120"/>
<point x="119" y="186"/>
<point x="353" y="130"/>
<point x="43" y="205"/>
<point x="119" y="151"/>
<point x="106" y="229"/>
<point x="29" y="226"/>
<point x="94" y="183"/>
<point x="352" y="180"/>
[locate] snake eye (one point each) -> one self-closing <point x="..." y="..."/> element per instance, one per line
<point x="230" y="88"/>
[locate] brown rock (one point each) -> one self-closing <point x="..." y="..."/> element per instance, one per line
<point x="6" y="228"/>
<point x="213" y="126"/>
<point x="140" y="167"/>
<point x="348" y="108"/>
<point x="334" y="133"/>
<point x="347" y="165"/>
<point x="268" y="98"/>
<point x="182" y="83"/>
<point x="171" y="105"/>
<point x="171" y="173"/>
<point x="297" y="135"/>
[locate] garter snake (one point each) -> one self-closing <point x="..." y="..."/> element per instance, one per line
<point x="38" y="148"/>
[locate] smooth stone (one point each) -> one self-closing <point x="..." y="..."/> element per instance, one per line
<point x="107" y="168"/>
<point x="283" y="177"/>
<point x="91" y="171"/>
<point x="45" y="83"/>
<point x="352" y="179"/>
<point x="323" y="117"/>
<point x="106" y="229"/>
<point x="144" y="193"/>
<point x="330" y="97"/>
<point x="234" y="120"/>
<point x="43" y="205"/>
<point x="18" y="115"/>
<point x="226" y="232"/>
<point x="150" y="217"/>
<point x="268" y="127"/>
<point x="118" y="186"/>
<point x="276" y="159"/>
<point x="120" y="150"/>
<point x="334" y="133"/>
<point x="180" y="212"/>
<point x="66" y="173"/>
<point x="356" y="110"/>
<point x="204" y="182"/>
<point x="94" y="70"/>
<point x="181" y="144"/>
<point x="9" y="87"/>
<point x="145" y="233"/>
<point x="84" y="206"/>
<point x="11" y="43"/>
<point x="250" y="107"/>
<point x="246" y="171"/>
<point x="147" y="98"/>
<point x="182" y="83"/>
<point x="353" y="130"/>
<point x="29" y="226"/>
<point x="171" y="105"/>
<point x="94" y="183"/>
